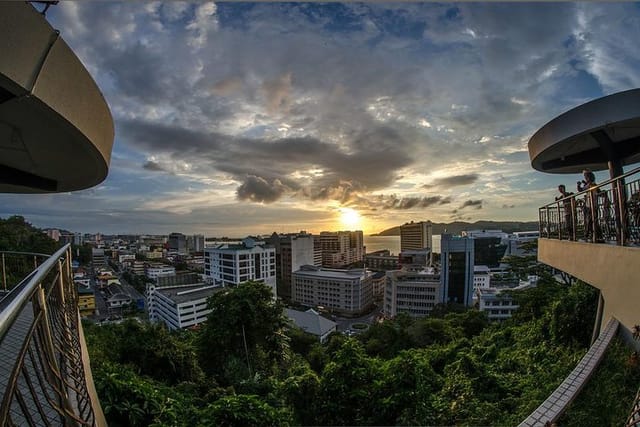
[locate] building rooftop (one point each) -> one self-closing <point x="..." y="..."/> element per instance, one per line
<point x="310" y="321"/>
<point x="180" y="294"/>
<point x="310" y="270"/>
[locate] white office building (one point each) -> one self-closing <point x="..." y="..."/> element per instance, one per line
<point x="230" y="264"/>
<point x="346" y="291"/>
<point x="499" y="304"/>
<point x="153" y="271"/>
<point x="179" y="307"/>
<point x="412" y="292"/>
<point x="481" y="277"/>
<point x="518" y="239"/>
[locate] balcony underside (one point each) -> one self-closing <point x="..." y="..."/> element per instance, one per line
<point x="56" y="130"/>
<point x="615" y="270"/>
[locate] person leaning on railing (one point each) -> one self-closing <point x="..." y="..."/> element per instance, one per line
<point x="568" y="205"/>
<point x="590" y="204"/>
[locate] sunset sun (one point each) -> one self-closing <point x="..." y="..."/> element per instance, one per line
<point x="349" y="218"/>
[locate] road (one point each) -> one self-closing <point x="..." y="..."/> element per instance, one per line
<point x="345" y="323"/>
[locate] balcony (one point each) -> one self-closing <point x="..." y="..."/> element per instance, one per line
<point x="45" y="375"/>
<point x="56" y="130"/>
<point x="594" y="235"/>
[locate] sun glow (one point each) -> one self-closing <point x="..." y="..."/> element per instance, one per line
<point x="349" y="218"/>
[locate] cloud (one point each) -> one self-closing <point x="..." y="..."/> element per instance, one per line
<point x="278" y="94"/>
<point x="258" y="189"/>
<point x="312" y="104"/>
<point x="227" y="86"/>
<point x="453" y="181"/>
<point x="288" y="160"/>
<point x="153" y="166"/>
<point x="508" y="206"/>
<point x="471" y="203"/>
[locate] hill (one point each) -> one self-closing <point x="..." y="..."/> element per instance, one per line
<point x="459" y="226"/>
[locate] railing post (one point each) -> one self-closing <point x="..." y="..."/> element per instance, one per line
<point x="4" y="274"/>
<point x="574" y="221"/>
<point x="620" y="206"/>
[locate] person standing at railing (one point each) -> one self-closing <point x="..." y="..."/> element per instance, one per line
<point x="569" y="207"/>
<point x="590" y="204"/>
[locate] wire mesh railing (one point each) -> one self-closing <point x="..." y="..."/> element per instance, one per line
<point x="605" y="213"/>
<point x="44" y="377"/>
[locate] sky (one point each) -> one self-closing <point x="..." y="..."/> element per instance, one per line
<point x="249" y="118"/>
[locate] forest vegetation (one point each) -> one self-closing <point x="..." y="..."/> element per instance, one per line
<point x="453" y="368"/>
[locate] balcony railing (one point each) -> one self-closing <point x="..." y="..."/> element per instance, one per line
<point x="44" y="375"/>
<point x="606" y="213"/>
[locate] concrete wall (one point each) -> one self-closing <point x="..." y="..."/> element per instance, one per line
<point x="615" y="270"/>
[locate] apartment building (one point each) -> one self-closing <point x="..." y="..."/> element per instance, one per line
<point x="153" y="271"/>
<point x="348" y="291"/>
<point x="292" y="252"/>
<point x="381" y="260"/>
<point x="416" y="235"/>
<point x="179" y="307"/>
<point x="481" y="277"/>
<point x="230" y="264"/>
<point x="414" y="292"/>
<point x="341" y="248"/>
<point x="499" y="304"/>
<point x="86" y="301"/>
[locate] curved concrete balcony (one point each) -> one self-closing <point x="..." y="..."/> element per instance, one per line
<point x="56" y="130"/>
<point x="599" y="135"/>
<point x="594" y="235"/>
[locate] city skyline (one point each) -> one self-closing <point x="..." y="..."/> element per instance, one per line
<point x="238" y="118"/>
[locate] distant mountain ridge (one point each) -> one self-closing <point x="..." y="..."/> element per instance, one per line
<point x="457" y="227"/>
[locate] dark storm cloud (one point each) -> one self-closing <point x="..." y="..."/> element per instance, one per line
<point x="372" y="161"/>
<point x="471" y="203"/>
<point x="393" y="202"/>
<point x="153" y="166"/>
<point x="258" y="189"/>
<point x="453" y="181"/>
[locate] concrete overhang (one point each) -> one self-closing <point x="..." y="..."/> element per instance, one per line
<point x="589" y="135"/>
<point x="56" y="130"/>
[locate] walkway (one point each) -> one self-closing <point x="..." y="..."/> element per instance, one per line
<point x="561" y="398"/>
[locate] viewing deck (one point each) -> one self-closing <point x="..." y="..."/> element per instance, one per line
<point x="45" y="374"/>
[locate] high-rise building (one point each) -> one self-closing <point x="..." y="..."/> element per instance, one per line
<point x="456" y="262"/>
<point x="347" y="291"/>
<point x="231" y="264"/>
<point x="414" y="292"/>
<point x="178" y="243"/>
<point x="416" y="235"/>
<point x="98" y="258"/>
<point x="341" y="248"/>
<point x="292" y="252"/>
<point x="489" y="246"/>
<point x="195" y="243"/>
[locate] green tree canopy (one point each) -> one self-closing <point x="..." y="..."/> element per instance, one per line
<point x="244" y="332"/>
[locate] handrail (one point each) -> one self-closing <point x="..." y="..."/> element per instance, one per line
<point x="607" y="212"/>
<point x="47" y="377"/>
<point x="19" y="296"/>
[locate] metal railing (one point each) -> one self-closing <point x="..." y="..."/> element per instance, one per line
<point x="606" y="213"/>
<point x="44" y="368"/>
<point x="634" y="418"/>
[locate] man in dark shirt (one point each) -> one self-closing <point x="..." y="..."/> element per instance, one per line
<point x="568" y="207"/>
